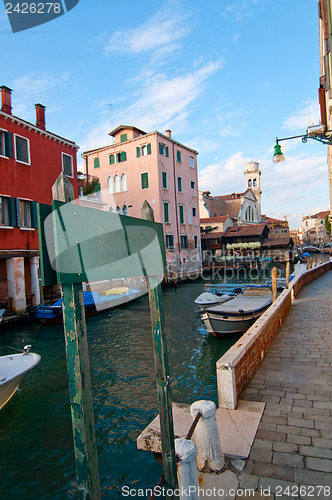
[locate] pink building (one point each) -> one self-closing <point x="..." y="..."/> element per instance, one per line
<point x="153" y="167"/>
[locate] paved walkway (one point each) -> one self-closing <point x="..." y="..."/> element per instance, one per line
<point x="293" y="444"/>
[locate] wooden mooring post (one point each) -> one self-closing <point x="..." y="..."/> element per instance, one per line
<point x="274" y="283"/>
<point x="162" y="371"/>
<point x="79" y="379"/>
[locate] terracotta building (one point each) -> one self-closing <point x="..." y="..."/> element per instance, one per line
<point x="141" y="166"/>
<point x="31" y="158"/>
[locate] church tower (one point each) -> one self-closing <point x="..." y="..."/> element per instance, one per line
<point x="253" y="181"/>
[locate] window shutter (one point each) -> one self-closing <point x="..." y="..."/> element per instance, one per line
<point x="96" y="163"/>
<point x="178" y="156"/>
<point x="12" y="211"/>
<point x="123" y="156"/>
<point x="160" y="148"/>
<point x="18" y="213"/>
<point x="123" y="137"/>
<point x="34" y="219"/>
<point x="111" y="159"/>
<point x="167" y="151"/>
<point x="149" y="148"/>
<point x="8" y="144"/>
<point x="137" y="152"/>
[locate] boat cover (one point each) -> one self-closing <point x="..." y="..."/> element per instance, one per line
<point x="241" y="304"/>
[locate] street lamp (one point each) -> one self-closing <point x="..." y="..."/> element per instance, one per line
<point x="316" y="132"/>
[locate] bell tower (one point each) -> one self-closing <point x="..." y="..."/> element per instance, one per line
<point x="253" y="181"/>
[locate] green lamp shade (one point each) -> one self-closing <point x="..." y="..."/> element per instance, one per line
<point x="278" y="157"/>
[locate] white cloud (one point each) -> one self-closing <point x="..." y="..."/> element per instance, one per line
<point x="224" y="177"/>
<point x="162" y="103"/>
<point x="160" y="33"/>
<point x="307" y="115"/>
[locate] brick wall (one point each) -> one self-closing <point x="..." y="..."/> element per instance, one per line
<point x="237" y="367"/>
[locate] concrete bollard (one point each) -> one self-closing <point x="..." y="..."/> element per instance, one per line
<point x="186" y="451"/>
<point x="206" y="437"/>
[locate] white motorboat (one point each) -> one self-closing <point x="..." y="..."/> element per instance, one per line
<point x="12" y="369"/>
<point x="236" y="315"/>
<point x="208" y="299"/>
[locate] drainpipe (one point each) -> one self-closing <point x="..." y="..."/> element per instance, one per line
<point x="176" y="207"/>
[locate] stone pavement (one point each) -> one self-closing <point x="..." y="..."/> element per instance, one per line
<point x="291" y="456"/>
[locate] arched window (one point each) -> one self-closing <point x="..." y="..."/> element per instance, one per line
<point x="111" y="209"/>
<point x="249" y="183"/>
<point x="117" y="184"/>
<point x="123" y="182"/>
<point x="118" y="209"/>
<point x="255" y="182"/>
<point x="249" y="214"/>
<point x="125" y="210"/>
<point x="110" y="185"/>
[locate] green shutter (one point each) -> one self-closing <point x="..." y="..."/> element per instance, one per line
<point x="96" y="163"/>
<point x="34" y="220"/>
<point x="12" y="211"/>
<point x="8" y="144"/>
<point x="181" y="214"/>
<point x="138" y="152"/>
<point x="123" y="137"/>
<point x="149" y="149"/>
<point x="160" y="148"/>
<point x="180" y="184"/>
<point x="123" y="156"/>
<point x="167" y="151"/>
<point x="166" y="212"/>
<point x="164" y="174"/>
<point x="145" y="180"/>
<point x="111" y="159"/>
<point x="178" y="156"/>
<point x="18" y="213"/>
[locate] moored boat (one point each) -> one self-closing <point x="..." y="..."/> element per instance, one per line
<point x="93" y="303"/>
<point x="12" y="369"/>
<point x="236" y="315"/>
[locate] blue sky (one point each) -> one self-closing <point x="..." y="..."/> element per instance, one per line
<point x="226" y="77"/>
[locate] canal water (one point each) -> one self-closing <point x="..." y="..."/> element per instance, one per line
<point x="36" y="450"/>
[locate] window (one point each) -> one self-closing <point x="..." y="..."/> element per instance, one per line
<point x="110" y="185"/>
<point x="22" y="151"/>
<point x="254" y="182"/>
<point x="178" y="156"/>
<point x="192" y="162"/>
<point x="143" y="150"/>
<point x="25" y="213"/>
<point x="164" y="176"/>
<point x="184" y="241"/>
<point x="192" y="184"/>
<point x="181" y="214"/>
<point x="118" y="209"/>
<point x="67" y="165"/>
<point x="96" y="163"/>
<point x="166" y="211"/>
<point x="145" y="180"/>
<point x="249" y="182"/>
<point x="169" y="242"/>
<point x="194" y="211"/>
<point x="125" y="209"/>
<point x="117" y="184"/>
<point x="123" y="137"/>
<point x="123" y="182"/>
<point x="6" y="144"/>
<point x="196" y="241"/>
<point x="117" y="157"/>
<point x="163" y="150"/>
<point x="4" y="211"/>
<point x="180" y="184"/>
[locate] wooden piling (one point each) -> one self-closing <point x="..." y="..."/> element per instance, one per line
<point x="287" y="273"/>
<point x="79" y="378"/>
<point x="274" y="283"/>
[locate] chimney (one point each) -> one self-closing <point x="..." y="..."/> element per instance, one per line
<point x="169" y="133"/>
<point x="40" y="116"/>
<point x="6" y="100"/>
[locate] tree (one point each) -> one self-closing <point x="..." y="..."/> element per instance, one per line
<point x="328" y="224"/>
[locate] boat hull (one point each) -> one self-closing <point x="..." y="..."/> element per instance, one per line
<point x="219" y="327"/>
<point x="12" y="369"/>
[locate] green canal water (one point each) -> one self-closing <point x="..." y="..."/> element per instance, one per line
<point x="36" y="451"/>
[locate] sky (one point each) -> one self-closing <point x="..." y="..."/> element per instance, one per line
<point x="226" y="77"/>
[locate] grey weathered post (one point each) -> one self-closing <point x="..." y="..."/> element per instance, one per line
<point x="80" y="391"/>
<point x="162" y="371"/>
<point x="274" y="283"/>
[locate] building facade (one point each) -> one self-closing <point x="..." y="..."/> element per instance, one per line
<point x="314" y="230"/>
<point x="154" y="167"/>
<point x="31" y="159"/>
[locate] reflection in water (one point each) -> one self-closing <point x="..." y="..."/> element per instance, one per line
<point x="37" y="460"/>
